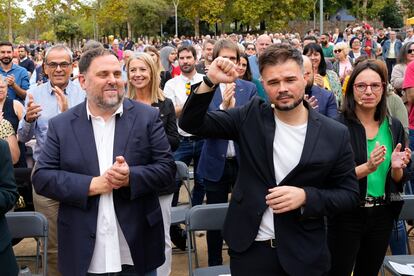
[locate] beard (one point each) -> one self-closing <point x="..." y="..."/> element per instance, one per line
<point x="6" y="60"/>
<point x="109" y="104"/>
<point x="288" y="107"/>
<point x="187" y="68"/>
<point x="324" y="43"/>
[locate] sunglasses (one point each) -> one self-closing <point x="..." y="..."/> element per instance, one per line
<point x="188" y="88"/>
<point x="410" y="51"/>
<point x="249" y="48"/>
<point x="337" y="51"/>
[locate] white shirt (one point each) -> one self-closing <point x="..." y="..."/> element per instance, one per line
<point x="287" y="150"/>
<point x="231" y="151"/>
<point x="111" y="249"/>
<point x="175" y="90"/>
<point x="391" y="52"/>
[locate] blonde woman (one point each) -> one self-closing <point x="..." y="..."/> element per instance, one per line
<point x="343" y="63"/>
<point x="144" y="87"/>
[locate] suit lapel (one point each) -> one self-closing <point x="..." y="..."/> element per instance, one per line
<point x="217" y="99"/>
<point x="269" y="135"/>
<point x="123" y="128"/>
<point x="312" y="133"/>
<point x="83" y="131"/>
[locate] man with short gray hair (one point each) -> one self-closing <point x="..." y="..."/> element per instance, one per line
<point x="43" y="103"/>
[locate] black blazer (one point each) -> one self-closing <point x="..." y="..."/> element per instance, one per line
<point x="8" y="197"/>
<point x="326" y="172"/>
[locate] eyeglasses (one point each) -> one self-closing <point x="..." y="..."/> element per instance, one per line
<point x="188" y="88"/>
<point x="54" y="65"/>
<point x="337" y="51"/>
<point x="410" y="51"/>
<point x="248" y="48"/>
<point x="362" y="87"/>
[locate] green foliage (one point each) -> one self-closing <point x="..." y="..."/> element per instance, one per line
<point x="48" y="36"/>
<point x="66" y="28"/>
<point x="391" y="16"/>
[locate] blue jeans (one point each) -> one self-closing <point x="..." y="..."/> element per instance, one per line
<point x="190" y="149"/>
<point x="398" y="239"/>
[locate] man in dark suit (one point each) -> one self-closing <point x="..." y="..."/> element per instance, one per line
<point x="296" y="166"/>
<point x="320" y="99"/>
<point x="104" y="160"/>
<point x="218" y="163"/>
<point x="8" y="197"/>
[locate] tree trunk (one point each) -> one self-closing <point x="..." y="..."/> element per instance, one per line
<point x="9" y="17"/>
<point x="129" y="29"/>
<point x="364" y="9"/>
<point x="197" y="26"/>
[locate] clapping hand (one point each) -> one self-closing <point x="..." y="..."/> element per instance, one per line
<point x="118" y="174"/>
<point x="400" y="159"/>
<point x="228" y="96"/>
<point x="376" y="157"/>
<point x="61" y="99"/>
<point x="33" y="110"/>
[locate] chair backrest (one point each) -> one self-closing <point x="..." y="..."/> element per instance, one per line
<point x="407" y="212"/>
<point x="27" y="224"/>
<point x="182" y="171"/>
<point x="206" y="217"/>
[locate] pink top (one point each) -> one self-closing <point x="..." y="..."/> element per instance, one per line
<point x="409" y="76"/>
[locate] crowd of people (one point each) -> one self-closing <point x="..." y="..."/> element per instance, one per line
<point x="309" y="136"/>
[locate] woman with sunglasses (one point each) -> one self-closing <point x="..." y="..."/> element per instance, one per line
<point x="323" y="77"/>
<point x="144" y="87"/>
<point x="405" y="56"/>
<point x="343" y="63"/>
<point x="359" y="239"/>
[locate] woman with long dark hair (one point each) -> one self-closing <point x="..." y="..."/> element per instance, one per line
<point x="359" y="239"/>
<point x="323" y="77"/>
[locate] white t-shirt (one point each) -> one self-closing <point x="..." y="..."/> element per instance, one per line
<point x="287" y="150"/>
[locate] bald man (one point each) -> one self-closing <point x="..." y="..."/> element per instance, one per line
<point x="320" y="99"/>
<point x="262" y="42"/>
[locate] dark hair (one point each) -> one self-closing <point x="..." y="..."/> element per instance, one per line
<point x="310" y="37"/>
<point x="87" y="57"/>
<point x="312" y="48"/>
<point x="277" y="54"/>
<point x="6" y="43"/>
<point x="209" y="41"/>
<point x="348" y="105"/>
<point x="225" y="44"/>
<point x="402" y="56"/>
<point x="247" y="75"/>
<point x="188" y="48"/>
<point x="24" y="47"/>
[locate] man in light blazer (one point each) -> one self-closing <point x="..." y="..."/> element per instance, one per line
<point x="104" y="160"/>
<point x="296" y="167"/>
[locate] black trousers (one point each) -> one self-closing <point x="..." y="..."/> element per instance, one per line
<point x="390" y="64"/>
<point x="218" y="192"/>
<point x="358" y="240"/>
<point x="259" y="259"/>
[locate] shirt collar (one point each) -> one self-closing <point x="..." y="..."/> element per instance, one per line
<point x="119" y="111"/>
<point x="65" y="91"/>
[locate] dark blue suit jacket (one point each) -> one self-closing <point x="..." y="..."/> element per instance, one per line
<point x="213" y="154"/>
<point x="326" y="172"/>
<point x="326" y="101"/>
<point x="69" y="162"/>
<point x="8" y="197"/>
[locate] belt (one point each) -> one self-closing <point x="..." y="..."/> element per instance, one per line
<point x="232" y="158"/>
<point x="268" y="243"/>
<point x="371" y="201"/>
<point x="190" y="138"/>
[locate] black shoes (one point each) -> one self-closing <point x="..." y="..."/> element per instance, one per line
<point x="178" y="237"/>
